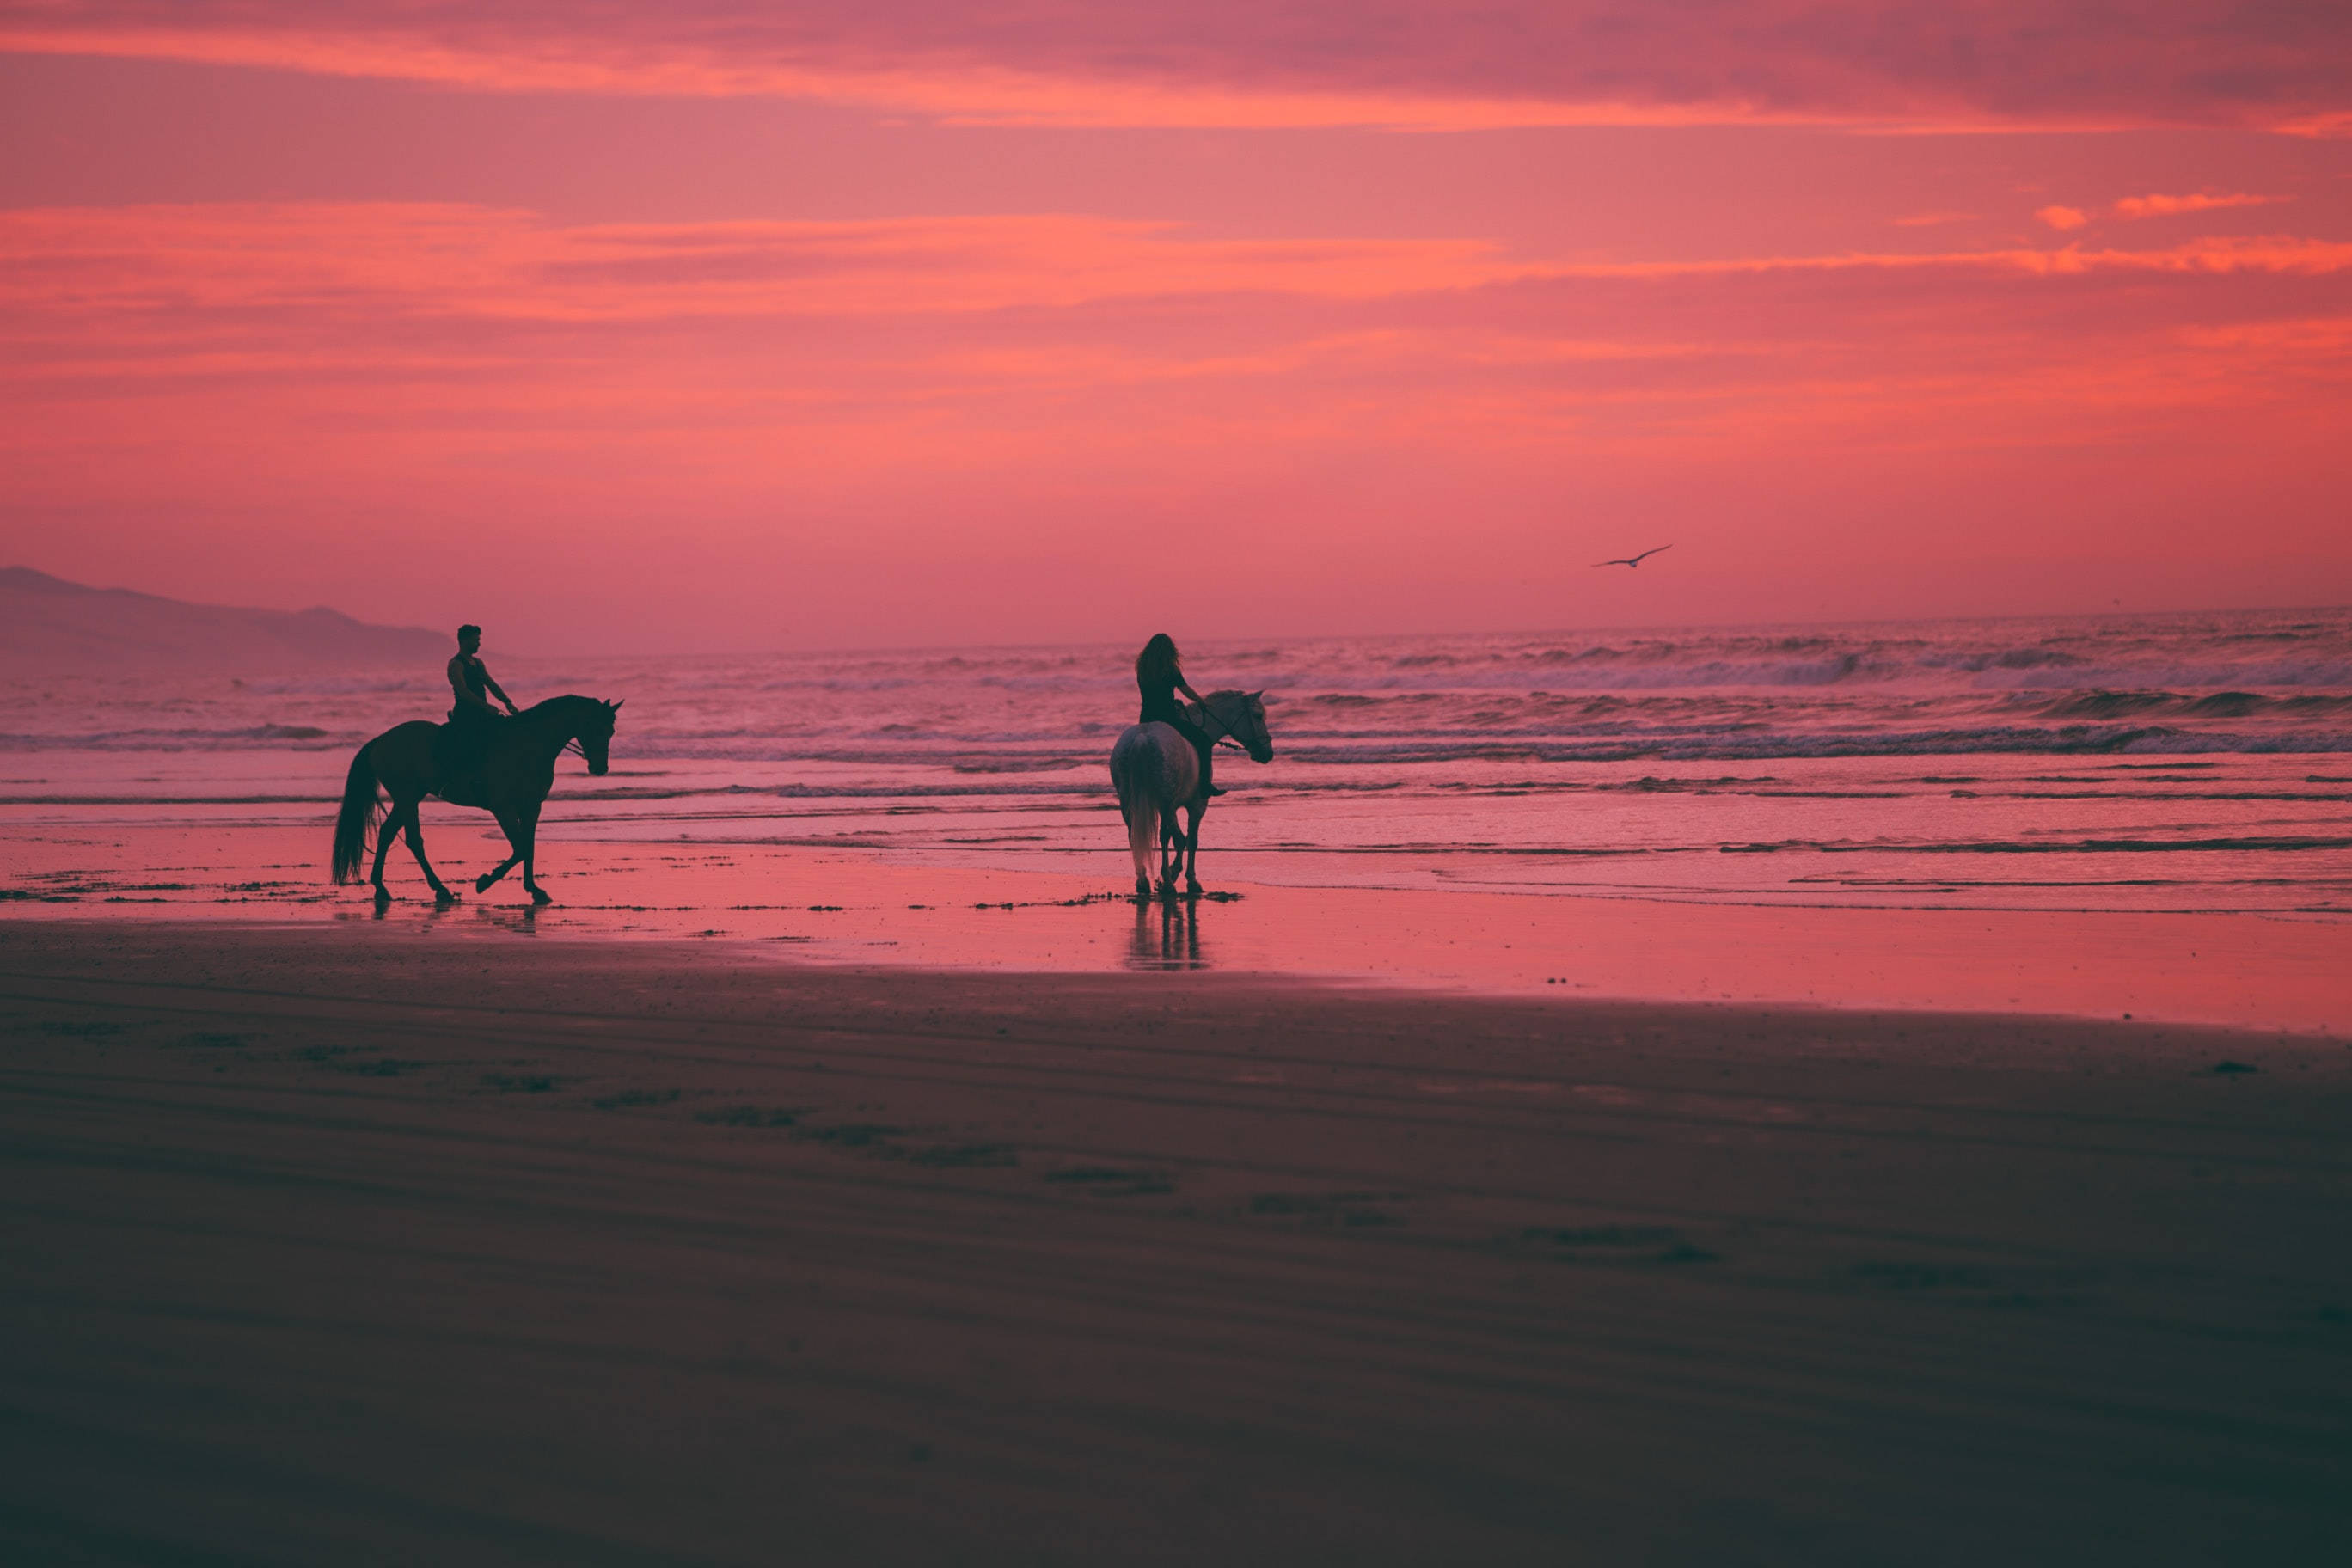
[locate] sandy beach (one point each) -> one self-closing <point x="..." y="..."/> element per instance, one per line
<point x="355" y="1244"/>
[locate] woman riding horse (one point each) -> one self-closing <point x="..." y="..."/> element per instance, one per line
<point x="1159" y="674"/>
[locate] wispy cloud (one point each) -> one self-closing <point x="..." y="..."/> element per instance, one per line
<point x="1933" y="220"/>
<point x="1020" y="332"/>
<point x="175" y="264"/>
<point x="984" y="391"/>
<point x="2062" y="218"/>
<point x="1406" y="63"/>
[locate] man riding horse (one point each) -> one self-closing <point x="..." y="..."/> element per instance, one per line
<point x="464" y="748"/>
<point x="505" y="766"/>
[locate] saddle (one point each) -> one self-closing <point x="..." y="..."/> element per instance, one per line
<point x="461" y="759"/>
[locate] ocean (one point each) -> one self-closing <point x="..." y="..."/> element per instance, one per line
<point x="2142" y="763"/>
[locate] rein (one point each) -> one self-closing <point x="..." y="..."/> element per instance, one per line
<point x="571" y="742"/>
<point x="1228" y="739"/>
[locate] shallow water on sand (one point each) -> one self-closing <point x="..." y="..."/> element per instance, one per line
<point x="769" y="903"/>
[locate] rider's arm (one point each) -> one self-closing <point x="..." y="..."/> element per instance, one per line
<point x="1185" y="687"/>
<point x="498" y="691"/>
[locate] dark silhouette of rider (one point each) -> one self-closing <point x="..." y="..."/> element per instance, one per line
<point x="472" y="721"/>
<point x="1160" y="673"/>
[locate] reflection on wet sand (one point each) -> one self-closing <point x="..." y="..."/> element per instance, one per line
<point x="1167" y="935"/>
<point x="815" y="906"/>
<point x="520" y="918"/>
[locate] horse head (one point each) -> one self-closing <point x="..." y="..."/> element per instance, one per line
<point x="1243" y="715"/>
<point x="595" y="733"/>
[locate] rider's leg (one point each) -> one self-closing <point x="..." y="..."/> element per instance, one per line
<point x="1201" y="748"/>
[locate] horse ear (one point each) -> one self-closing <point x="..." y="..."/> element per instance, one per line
<point x="615" y="706"/>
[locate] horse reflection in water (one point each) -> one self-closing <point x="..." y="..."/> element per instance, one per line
<point x="522" y="919"/>
<point x="1166" y="936"/>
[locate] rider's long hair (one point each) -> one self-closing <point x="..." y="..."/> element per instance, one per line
<point x="1158" y="664"/>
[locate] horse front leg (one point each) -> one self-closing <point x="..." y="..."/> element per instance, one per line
<point x="514" y="842"/>
<point x="1193" y="851"/>
<point x="539" y="895"/>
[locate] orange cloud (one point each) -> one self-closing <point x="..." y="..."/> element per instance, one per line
<point x="2060" y="218"/>
<point x="2167" y="206"/>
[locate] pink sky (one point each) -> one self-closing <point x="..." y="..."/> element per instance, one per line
<point x="722" y="325"/>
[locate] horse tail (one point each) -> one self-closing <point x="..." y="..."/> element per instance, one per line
<point x="1142" y="832"/>
<point x="357" y="818"/>
<point x="1138" y="802"/>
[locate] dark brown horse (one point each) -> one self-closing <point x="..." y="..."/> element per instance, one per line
<point x="511" y="785"/>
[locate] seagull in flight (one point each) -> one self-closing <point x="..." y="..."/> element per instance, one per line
<point x="1633" y="560"/>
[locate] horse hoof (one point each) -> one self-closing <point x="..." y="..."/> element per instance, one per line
<point x="444" y="897"/>
<point x="541" y="896"/>
<point x="383" y="895"/>
<point x="481" y="884"/>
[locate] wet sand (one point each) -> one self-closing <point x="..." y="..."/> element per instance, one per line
<point x="354" y="1244"/>
<point x="855" y="906"/>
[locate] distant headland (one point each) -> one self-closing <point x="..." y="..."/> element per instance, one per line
<point x="49" y="624"/>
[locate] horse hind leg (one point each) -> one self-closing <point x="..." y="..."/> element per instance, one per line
<point x="413" y="831"/>
<point x="1140" y="821"/>
<point x="539" y="895"/>
<point x="1172" y="851"/>
<point x="385" y="831"/>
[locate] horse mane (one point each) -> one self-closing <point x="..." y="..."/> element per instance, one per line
<point x="567" y="698"/>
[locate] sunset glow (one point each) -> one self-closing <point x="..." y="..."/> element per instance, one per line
<point x="712" y="326"/>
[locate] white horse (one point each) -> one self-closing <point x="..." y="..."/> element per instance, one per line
<point x="1156" y="772"/>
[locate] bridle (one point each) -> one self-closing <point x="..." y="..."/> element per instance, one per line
<point x="573" y="746"/>
<point x="572" y="743"/>
<point x="1231" y="738"/>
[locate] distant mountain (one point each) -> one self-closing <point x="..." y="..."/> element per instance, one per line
<point x="49" y="624"/>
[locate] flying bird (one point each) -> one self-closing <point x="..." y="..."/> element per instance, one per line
<point x="1633" y="560"/>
